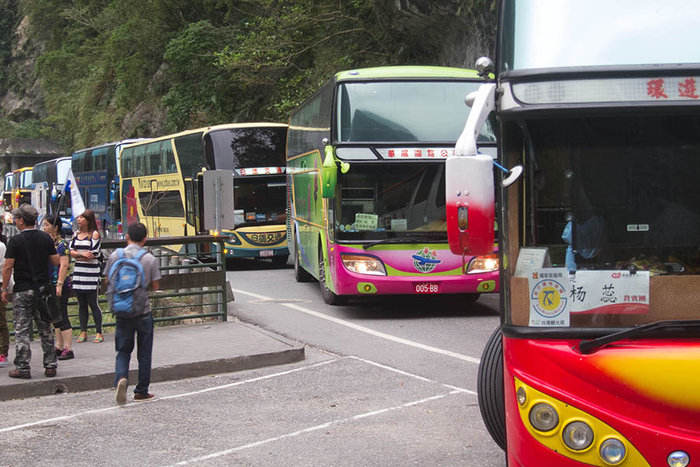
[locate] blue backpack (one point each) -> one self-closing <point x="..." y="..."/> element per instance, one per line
<point x="126" y="289"/>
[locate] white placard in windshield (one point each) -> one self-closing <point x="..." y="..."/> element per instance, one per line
<point x="549" y="305"/>
<point x="399" y="225"/>
<point x="365" y="221"/>
<point x="611" y="292"/>
<point x="532" y="259"/>
<point x="555" y="294"/>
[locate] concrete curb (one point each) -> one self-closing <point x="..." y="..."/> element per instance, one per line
<point x="43" y="386"/>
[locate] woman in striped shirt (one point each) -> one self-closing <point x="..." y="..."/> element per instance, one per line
<point x="85" y="250"/>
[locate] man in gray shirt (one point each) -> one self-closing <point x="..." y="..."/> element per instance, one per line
<point x="141" y="324"/>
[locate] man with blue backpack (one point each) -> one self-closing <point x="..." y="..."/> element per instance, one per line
<point x="131" y="271"/>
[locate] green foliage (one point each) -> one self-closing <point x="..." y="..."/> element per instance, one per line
<point x="9" y="19"/>
<point x="112" y="69"/>
<point x="283" y="51"/>
<point x="25" y="129"/>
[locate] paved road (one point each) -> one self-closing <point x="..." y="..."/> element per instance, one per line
<point x="435" y="338"/>
<point x="383" y="383"/>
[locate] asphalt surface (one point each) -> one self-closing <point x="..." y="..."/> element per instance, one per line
<point x="183" y="351"/>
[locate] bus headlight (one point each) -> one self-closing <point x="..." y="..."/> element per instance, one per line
<point x="544" y="417"/>
<point x="577" y="436"/>
<point x="612" y="451"/>
<point x="480" y="264"/>
<point x="361" y="264"/>
<point x="678" y="459"/>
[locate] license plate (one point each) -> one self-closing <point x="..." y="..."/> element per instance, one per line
<point x="266" y="253"/>
<point x="427" y="287"/>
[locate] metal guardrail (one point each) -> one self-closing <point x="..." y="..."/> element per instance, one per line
<point x="193" y="285"/>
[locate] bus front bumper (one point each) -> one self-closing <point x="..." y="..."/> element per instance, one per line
<point x="349" y="283"/>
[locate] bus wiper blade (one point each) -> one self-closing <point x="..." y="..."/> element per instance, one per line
<point x="408" y="238"/>
<point x="592" y="345"/>
<point x="384" y="240"/>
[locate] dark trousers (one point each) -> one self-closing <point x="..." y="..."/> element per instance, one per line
<point x="126" y="328"/>
<point x="64" y="325"/>
<point x="4" y="331"/>
<point x="85" y="299"/>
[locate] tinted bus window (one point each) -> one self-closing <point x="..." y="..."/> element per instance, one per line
<point x="190" y="153"/>
<point x="428" y="112"/>
<point x="247" y="147"/>
<point x="162" y="204"/>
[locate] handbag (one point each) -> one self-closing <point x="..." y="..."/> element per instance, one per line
<point x="48" y="304"/>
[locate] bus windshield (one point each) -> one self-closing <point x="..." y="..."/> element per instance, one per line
<point x="62" y="168"/>
<point x="404" y="111"/>
<point x="566" y="33"/>
<point x="260" y="200"/>
<point x="247" y="147"/>
<point x="381" y="201"/>
<point x="25" y="180"/>
<point x="626" y="187"/>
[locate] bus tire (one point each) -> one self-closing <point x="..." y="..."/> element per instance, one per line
<point x="490" y="389"/>
<point x="300" y="274"/>
<point x="328" y="296"/>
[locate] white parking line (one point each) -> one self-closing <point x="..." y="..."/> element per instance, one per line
<point x="420" y="378"/>
<point x="369" y="331"/>
<point x="45" y="421"/>
<point x="317" y="427"/>
<point x="174" y="396"/>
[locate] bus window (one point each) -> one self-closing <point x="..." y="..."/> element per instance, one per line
<point x="62" y="171"/>
<point x="98" y="159"/>
<point x="162" y="203"/>
<point x="190" y="153"/>
<point x="26" y="179"/>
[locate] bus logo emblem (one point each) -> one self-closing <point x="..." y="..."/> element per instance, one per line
<point x="425" y="260"/>
<point x="549" y="298"/>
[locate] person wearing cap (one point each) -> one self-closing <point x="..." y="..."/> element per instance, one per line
<point x="29" y="254"/>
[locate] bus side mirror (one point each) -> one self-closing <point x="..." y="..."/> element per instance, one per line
<point x="469" y="186"/>
<point x="471" y="205"/>
<point x="329" y="172"/>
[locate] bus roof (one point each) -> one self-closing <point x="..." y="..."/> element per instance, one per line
<point x="387" y="72"/>
<point x="113" y="143"/>
<point x="52" y="161"/>
<point x="207" y="129"/>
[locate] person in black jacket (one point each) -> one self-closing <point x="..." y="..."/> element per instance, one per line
<point x="28" y="255"/>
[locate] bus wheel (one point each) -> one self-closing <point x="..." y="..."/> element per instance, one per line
<point x="300" y="274"/>
<point x="328" y="296"/>
<point x="490" y="389"/>
<point x="280" y="260"/>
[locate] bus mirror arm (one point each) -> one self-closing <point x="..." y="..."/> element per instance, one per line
<point x="482" y="103"/>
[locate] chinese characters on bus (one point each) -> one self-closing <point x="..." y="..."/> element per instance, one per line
<point x="656" y="88"/>
<point x="555" y="294"/>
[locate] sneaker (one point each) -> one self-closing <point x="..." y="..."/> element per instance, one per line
<point x="58" y="351"/>
<point x="3" y="361"/>
<point x="66" y="355"/>
<point x="143" y="397"/>
<point x="20" y="374"/>
<point x="50" y="372"/>
<point x="120" y="396"/>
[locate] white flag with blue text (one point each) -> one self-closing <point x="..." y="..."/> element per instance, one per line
<point x="77" y="205"/>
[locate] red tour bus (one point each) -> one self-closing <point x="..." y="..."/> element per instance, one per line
<point x="597" y="359"/>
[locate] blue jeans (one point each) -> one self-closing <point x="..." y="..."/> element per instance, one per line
<point x="142" y="326"/>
